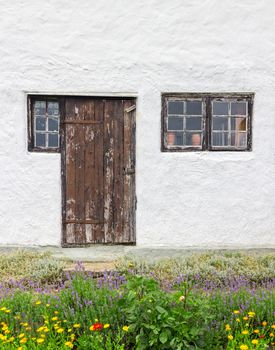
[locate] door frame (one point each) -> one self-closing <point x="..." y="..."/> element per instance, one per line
<point x="62" y="98"/>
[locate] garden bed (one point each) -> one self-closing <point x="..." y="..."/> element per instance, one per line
<point x="210" y="301"/>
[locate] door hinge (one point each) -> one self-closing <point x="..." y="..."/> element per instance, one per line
<point x="128" y="171"/>
<point x="130" y="109"/>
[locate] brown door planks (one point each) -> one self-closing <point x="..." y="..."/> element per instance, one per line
<point x="98" y="170"/>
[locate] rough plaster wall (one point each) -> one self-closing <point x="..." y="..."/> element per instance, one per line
<point x="147" y="46"/>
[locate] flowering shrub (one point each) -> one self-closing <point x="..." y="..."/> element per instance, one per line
<point x="123" y="312"/>
<point x="246" y="332"/>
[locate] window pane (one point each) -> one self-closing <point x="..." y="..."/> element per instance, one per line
<point x="175" y="123"/>
<point x="238" y="108"/>
<point x="53" y="108"/>
<point x="194" y="107"/>
<point x="193" y="139"/>
<point x="193" y="123"/>
<point x="40" y="123"/>
<point x="39" y="108"/>
<point x="175" y="107"/>
<point x="220" y="123"/>
<point x="53" y="140"/>
<point x="220" y="108"/>
<point x="40" y="140"/>
<point x="238" y="124"/>
<point x="220" y="138"/>
<point x="239" y="140"/>
<point x="53" y="124"/>
<point x="174" y="138"/>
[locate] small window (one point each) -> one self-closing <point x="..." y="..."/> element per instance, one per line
<point x="206" y="122"/>
<point x="44" y="123"/>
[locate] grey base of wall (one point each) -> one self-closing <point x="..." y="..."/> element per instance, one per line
<point x="101" y="253"/>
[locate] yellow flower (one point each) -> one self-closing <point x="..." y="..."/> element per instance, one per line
<point x="236" y="312"/>
<point x="238" y="320"/>
<point x="23" y="341"/>
<point x="7" y="331"/>
<point x="72" y="336"/>
<point x="38" y="302"/>
<point x="264" y="323"/>
<point x="7" y="311"/>
<point x="230" y="337"/>
<point x="3" y="308"/>
<point x="256" y="331"/>
<point x="244" y="347"/>
<point x="245" y="318"/>
<point x="271" y="334"/>
<point x="125" y="328"/>
<point x="69" y="330"/>
<point x="47" y="305"/>
<point x="21" y="335"/>
<point x="77" y="325"/>
<point x="69" y="344"/>
<point x="40" y="340"/>
<point x="56" y="312"/>
<point x="251" y="314"/>
<point x="273" y="326"/>
<point x="10" y="340"/>
<point x="54" y="318"/>
<point x="60" y="330"/>
<point x="227" y="327"/>
<point x="245" y="332"/>
<point x="20" y="348"/>
<point x="106" y="325"/>
<point x="96" y="320"/>
<point x="255" y="341"/>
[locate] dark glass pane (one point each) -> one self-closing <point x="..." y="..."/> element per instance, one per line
<point x="179" y="139"/>
<point x="220" y="139"/>
<point x="220" y="123"/>
<point x="53" y="140"/>
<point x="53" y="124"/>
<point x="40" y="123"/>
<point x="238" y="108"/>
<point x="39" y="108"/>
<point x="220" y="108"/>
<point x="53" y="108"/>
<point x="193" y="139"/>
<point x="194" y="107"/>
<point x="238" y="124"/>
<point x="40" y="140"/>
<point x="175" y="107"/>
<point x="174" y="138"/>
<point x="175" y="123"/>
<point x="238" y="140"/>
<point x="193" y="123"/>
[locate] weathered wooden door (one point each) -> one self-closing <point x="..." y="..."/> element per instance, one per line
<point x="98" y="170"/>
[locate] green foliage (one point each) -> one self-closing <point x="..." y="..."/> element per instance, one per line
<point x="163" y="320"/>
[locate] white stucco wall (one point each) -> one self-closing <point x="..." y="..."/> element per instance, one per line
<point x="146" y="47"/>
